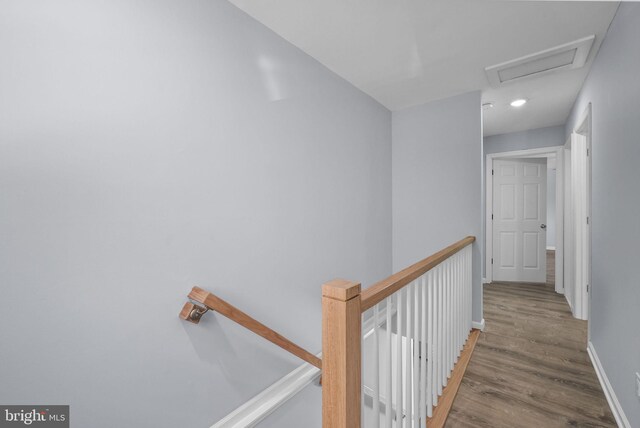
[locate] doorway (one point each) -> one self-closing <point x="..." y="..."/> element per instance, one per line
<point x="572" y="215"/>
<point x="536" y="237"/>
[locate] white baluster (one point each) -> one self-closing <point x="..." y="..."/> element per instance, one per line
<point x="441" y="342"/>
<point x="447" y="313"/>
<point x="399" y="316"/>
<point x="430" y="342"/>
<point x="468" y="288"/>
<point x="463" y="290"/>
<point x="470" y="284"/>
<point x="466" y="295"/>
<point x="416" y="352"/>
<point x="423" y="347"/>
<point x="376" y="369"/>
<point x="408" y="355"/>
<point x="362" y="376"/>
<point x="454" y="336"/>
<point x="388" y="367"/>
<point x="464" y="298"/>
<point x="454" y="311"/>
<point x="459" y="304"/>
<point x="463" y="305"/>
<point x="445" y="321"/>
<point x="454" y="316"/>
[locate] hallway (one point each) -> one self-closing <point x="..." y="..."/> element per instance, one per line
<point x="530" y="367"/>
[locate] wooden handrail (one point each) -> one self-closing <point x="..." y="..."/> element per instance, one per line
<point x="215" y="303"/>
<point x="385" y="288"/>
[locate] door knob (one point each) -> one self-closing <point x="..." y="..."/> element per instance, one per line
<point x="543" y="226"/>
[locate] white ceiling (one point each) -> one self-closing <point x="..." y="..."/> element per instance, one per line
<point x="407" y="52"/>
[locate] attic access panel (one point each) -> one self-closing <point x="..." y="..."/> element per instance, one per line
<point x="564" y="57"/>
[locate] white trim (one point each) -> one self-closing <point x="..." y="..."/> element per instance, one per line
<point x="485" y="281"/>
<point x="614" y="404"/>
<point x="580" y="297"/>
<point x="584" y="127"/>
<point x="526" y="153"/>
<point x="478" y="325"/>
<point x="567" y="228"/>
<point x="569" y="303"/>
<point x="551" y="248"/>
<point x="559" y="256"/>
<point x="488" y="231"/>
<point x="558" y="152"/>
<point x="262" y="405"/>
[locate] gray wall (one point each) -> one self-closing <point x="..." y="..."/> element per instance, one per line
<point x="437" y="171"/>
<point x="146" y="147"/>
<point x="613" y="89"/>
<point x="525" y="140"/>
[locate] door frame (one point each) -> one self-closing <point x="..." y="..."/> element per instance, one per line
<point x="558" y="151"/>
<point x="583" y="127"/>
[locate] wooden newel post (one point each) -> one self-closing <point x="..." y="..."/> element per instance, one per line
<point x="341" y="354"/>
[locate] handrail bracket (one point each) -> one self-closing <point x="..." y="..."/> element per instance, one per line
<point x="192" y="312"/>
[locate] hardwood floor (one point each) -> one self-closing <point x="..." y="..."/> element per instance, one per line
<point x="530" y="367"/>
<point x="441" y="411"/>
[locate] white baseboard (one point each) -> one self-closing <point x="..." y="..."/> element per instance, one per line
<point x="478" y="325"/>
<point x="551" y="248"/>
<point x="262" y="405"/>
<point x="616" y="408"/>
<point x="485" y="281"/>
<point x="569" y="303"/>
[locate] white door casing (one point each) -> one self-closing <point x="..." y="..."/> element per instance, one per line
<point x="569" y="289"/>
<point x="560" y="153"/>
<point x="579" y="225"/>
<point x="519" y="220"/>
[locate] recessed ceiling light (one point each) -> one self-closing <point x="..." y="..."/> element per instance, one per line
<point x="518" y="103"/>
<point x="487" y="106"/>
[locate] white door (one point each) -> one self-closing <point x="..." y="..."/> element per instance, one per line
<point x="519" y="220"/>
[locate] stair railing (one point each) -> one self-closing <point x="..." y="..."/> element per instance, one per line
<point x="413" y="326"/>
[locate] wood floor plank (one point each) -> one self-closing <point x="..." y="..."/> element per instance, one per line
<point x="530" y="367"/>
<point x="441" y="411"/>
